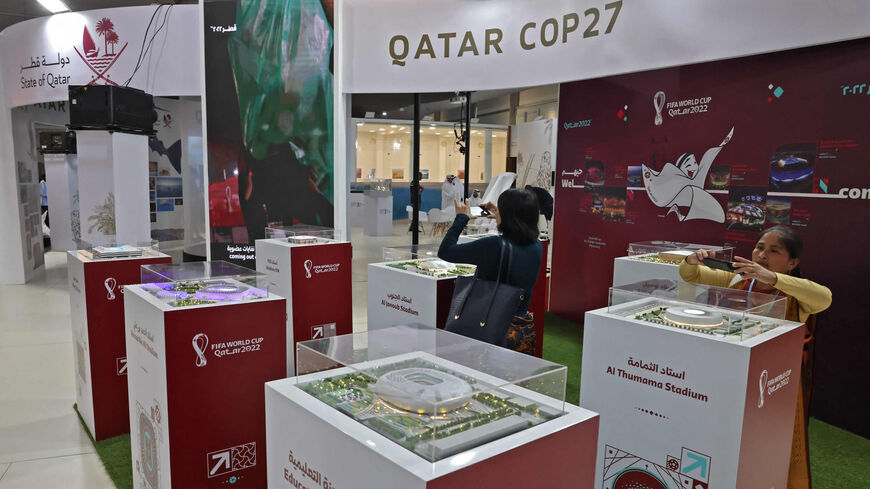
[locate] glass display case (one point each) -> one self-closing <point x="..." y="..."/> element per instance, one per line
<point x="674" y="251"/>
<point x="731" y="314"/>
<point x="433" y="392"/>
<point x="372" y="185"/>
<point x="411" y="252"/>
<point x="198" y="283"/>
<point x="115" y="250"/>
<point x="301" y="233"/>
<point x="434" y="267"/>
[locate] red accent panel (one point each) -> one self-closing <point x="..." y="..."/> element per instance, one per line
<point x="106" y="340"/>
<point x="561" y="460"/>
<point x="221" y="405"/>
<point x="765" y="445"/>
<point x="326" y="296"/>
<point x="443" y="298"/>
<point x="540" y="302"/>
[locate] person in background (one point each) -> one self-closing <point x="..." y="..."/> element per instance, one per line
<point x="43" y="196"/>
<point x="451" y="191"/>
<point x="420" y="195"/>
<point x="475" y="198"/>
<point x="774" y="269"/>
<point x="517" y="217"/>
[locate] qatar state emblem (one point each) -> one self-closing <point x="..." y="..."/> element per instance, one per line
<point x="100" y="59"/>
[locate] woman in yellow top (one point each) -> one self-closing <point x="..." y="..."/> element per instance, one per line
<point x="774" y="269"/>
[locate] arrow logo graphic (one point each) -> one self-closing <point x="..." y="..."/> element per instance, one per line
<point x="223" y="458"/>
<point x="699" y="464"/>
<point x="574" y="173"/>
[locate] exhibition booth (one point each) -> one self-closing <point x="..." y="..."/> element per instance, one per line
<point x="248" y="370"/>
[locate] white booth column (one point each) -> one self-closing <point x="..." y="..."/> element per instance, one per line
<point x="61" y="176"/>
<point x="113" y="187"/>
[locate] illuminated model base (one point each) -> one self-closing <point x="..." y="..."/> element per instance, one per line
<point x="382" y="399"/>
<point x="182" y="294"/>
<point x="434" y="267"/>
<point x="708" y="322"/>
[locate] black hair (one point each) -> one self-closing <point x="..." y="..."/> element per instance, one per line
<point x="792" y="241"/>
<point x="683" y="159"/>
<point x="518" y="209"/>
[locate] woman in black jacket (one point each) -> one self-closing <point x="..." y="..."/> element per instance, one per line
<point x="517" y="219"/>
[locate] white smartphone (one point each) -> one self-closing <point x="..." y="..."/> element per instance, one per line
<point x="476" y="211"/>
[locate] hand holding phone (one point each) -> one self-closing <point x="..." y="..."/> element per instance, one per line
<point x="718" y="264"/>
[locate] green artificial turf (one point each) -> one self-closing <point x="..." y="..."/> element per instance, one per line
<point x="838" y="459"/>
<point x="115" y="455"/>
<point x="563" y="344"/>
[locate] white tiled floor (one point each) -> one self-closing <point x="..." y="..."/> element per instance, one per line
<point x="42" y="443"/>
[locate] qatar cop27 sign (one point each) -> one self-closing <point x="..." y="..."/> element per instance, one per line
<point x="410" y="46"/>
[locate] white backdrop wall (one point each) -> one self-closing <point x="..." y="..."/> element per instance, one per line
<point x="41" y="57"/>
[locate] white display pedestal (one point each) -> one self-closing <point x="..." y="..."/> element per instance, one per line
<point x="378" y="214"/>
<point x="317" y="446"/>
<point x="196" y="378"/>
<point x="706" y="423"/>
<point x="113" y="187"/>
<point x="62" y="181"/>
<point x="627" y="270"/>
<point x="316" y="281"/>
<point x="403" y="297"/>
<point x="356" y="202"/>
<point x="97" y="318"/>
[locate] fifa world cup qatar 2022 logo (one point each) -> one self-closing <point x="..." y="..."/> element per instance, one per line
<point x="308" y="266"/>
<point x="100" y="59"/>
<point x="200" y="343"/>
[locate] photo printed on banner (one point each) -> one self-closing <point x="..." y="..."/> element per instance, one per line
<point x="778" y="211"/>
<point x="593" y="201"/>
<point x="719" y="178"/>
<point x="746" y="208"/>
<point x="792" y="167"/>
<point x="635" y="177"/>
<point x="614" y="204"/>
<point x="594" y="175"/>
<point x="269" y="120"/>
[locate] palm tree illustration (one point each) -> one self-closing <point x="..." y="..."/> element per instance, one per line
<point x="105" y="26"/>
<point x="112" y="39"/>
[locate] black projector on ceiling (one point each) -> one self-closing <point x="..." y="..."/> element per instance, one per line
<point x="57" y="142"/>
<point x="111" y="108"/>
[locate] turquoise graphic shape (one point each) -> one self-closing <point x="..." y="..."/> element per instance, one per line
<point x="700" y="463"/>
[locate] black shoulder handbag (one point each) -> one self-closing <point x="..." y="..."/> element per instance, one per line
<point x="483" y="309"/>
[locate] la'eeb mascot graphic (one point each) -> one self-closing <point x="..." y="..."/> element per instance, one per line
<point x="682" y="185"/>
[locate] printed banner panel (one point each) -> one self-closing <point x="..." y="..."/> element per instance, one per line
<point x="269" y="120"/>
<point x="712" y="154"/>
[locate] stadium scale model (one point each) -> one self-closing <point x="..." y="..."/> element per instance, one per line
<point x="429" y="409"/>
<point x="194" y="293"/>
